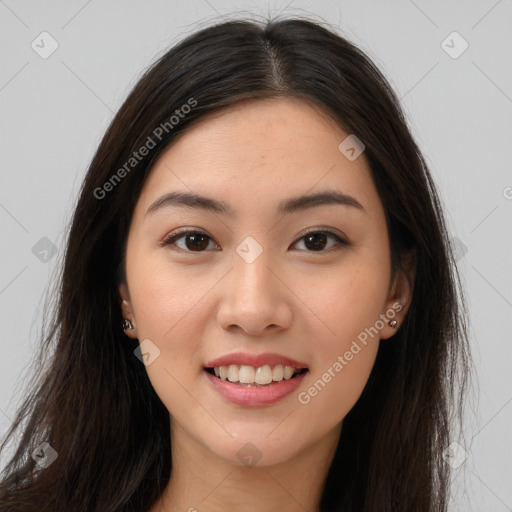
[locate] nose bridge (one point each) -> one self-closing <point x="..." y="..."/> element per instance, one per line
<point x="254" y="298"/>
<point x="251" y="273"/>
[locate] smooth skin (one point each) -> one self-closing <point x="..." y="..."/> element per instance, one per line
<point x="308" y="300"/>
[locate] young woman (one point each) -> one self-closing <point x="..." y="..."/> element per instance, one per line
<point x="259" y="308"/>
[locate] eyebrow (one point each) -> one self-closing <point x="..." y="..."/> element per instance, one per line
<point x="291" y="205"/>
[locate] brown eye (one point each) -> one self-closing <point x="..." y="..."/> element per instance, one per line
<point x="317" y="241"/>
<point x="194" y="241"/>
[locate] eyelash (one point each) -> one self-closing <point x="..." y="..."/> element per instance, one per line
<point x="171" y="239"/>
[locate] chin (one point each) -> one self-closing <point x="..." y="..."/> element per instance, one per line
<point x="257" y="449"/>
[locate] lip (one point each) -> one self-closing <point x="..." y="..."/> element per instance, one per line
<point x="255" y="396"/>
<point x="255" y="360"/>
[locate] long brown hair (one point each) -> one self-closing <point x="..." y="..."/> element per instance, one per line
<point x="93" y="402"/>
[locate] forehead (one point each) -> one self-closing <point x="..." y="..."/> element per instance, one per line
<point x="261" y="150"/>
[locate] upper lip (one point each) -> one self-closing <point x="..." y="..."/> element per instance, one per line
<point x="256" y="360"/>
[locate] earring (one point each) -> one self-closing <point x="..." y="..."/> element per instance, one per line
<point x="393" y="323"/>
<point x="127" y="325"/>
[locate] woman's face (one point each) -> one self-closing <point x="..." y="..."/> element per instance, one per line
<point x="251" y="281"/>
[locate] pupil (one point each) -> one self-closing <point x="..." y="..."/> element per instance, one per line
<point x="198" y="242"/>
<point x="314" y="238"/>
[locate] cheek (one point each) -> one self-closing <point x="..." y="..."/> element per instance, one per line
<point x="343" y="360"/>
<point x="168" y="308"/>
<point x="349" y="306"/>
<point x="165" y="295"/>
<point x="351" y="299"/>
<point x="163" y="300"/>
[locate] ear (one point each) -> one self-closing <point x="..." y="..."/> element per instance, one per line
<point x="127" y="310"/>
<point x="399" y="296"/>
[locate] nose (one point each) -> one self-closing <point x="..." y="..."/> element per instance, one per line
<point x="255" y="301"/>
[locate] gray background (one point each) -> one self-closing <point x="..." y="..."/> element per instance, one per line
<point x="55" y="110"/>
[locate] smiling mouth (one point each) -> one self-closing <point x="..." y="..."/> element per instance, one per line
<point x="248" y="376"/>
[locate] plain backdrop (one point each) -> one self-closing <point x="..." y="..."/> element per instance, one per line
<point x="455" y="88"/>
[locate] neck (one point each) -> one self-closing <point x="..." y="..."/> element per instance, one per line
<point x="200" y="480"/>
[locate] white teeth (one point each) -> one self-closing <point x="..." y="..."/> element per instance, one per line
<point x="288" y="372"/>
<point x="263" y="375"/>
<point x="278" y="372"/>
<point x="233" y="373"/>
<point x="246" y="374"/>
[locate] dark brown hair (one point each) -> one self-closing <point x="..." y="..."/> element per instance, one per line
<point x="93" y="401"/>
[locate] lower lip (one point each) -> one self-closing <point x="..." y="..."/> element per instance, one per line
<point x="255" y="396"/>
